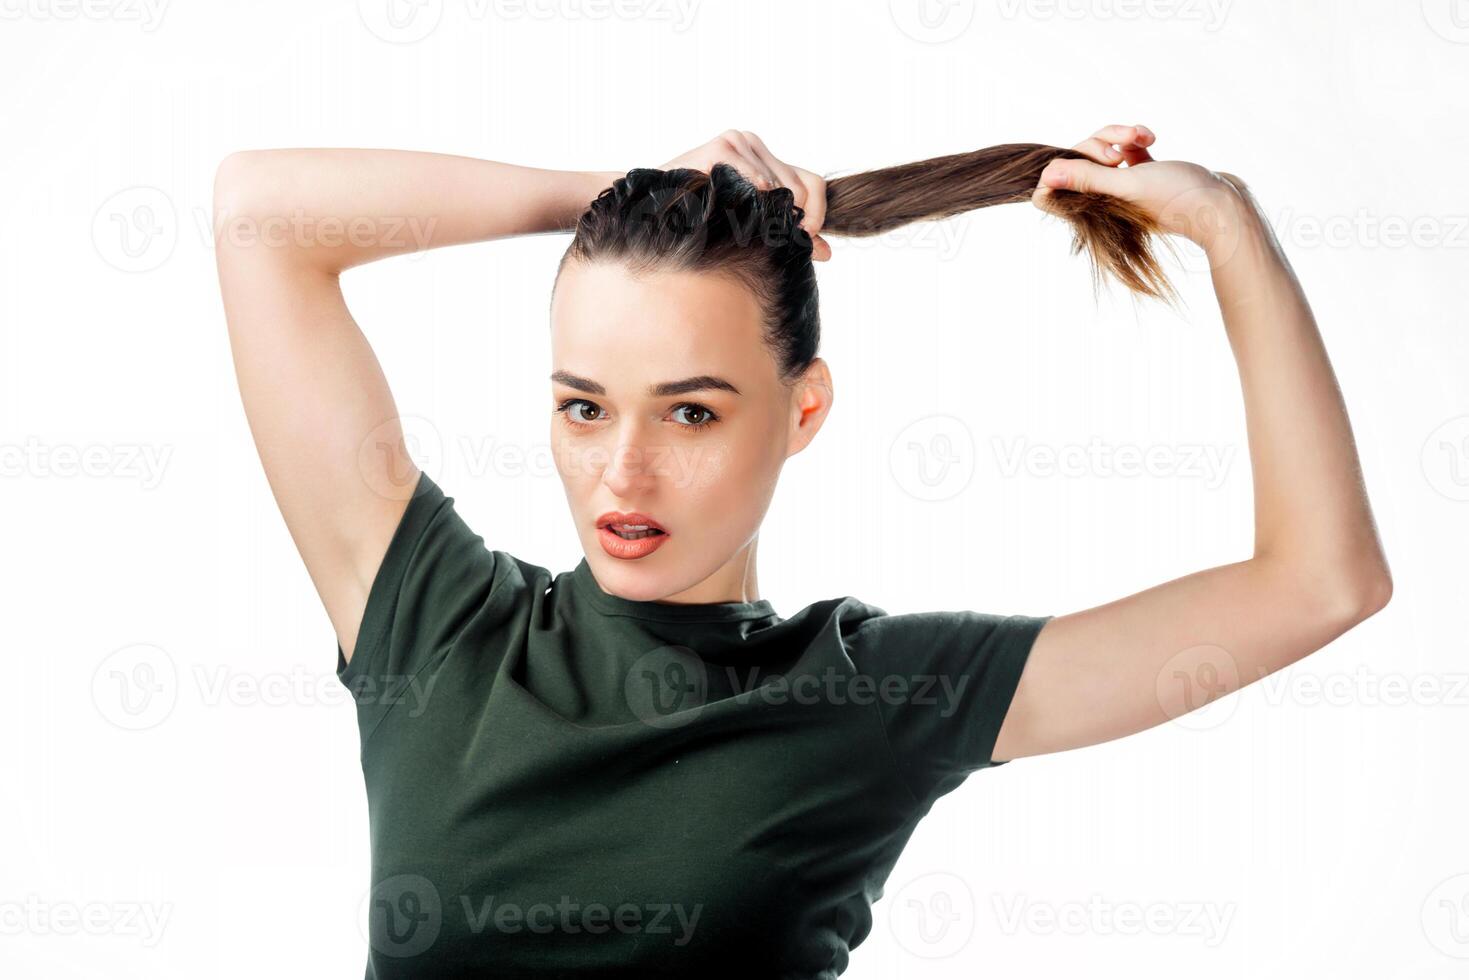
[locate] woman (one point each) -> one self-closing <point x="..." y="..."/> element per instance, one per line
<point x="637" y="768"/>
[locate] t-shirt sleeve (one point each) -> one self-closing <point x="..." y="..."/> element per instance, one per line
<point x="435" y="576"/>
<point x="943" y="683"/>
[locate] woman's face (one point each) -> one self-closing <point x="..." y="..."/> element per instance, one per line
<point x="666" y="403"/>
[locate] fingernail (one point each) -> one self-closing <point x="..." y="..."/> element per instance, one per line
<point x="1112" y="153"/>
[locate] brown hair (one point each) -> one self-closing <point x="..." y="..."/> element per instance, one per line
<point x="718" y="222"/>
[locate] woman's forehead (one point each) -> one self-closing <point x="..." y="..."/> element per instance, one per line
<point x="615" y="328"/>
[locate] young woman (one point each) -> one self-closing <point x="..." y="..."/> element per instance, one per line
<point x="638" y="768"/>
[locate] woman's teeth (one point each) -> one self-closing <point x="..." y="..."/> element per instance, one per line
<point x="633" y="531"/>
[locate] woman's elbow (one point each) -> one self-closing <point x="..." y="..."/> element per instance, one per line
<point x="1377" y="594"/>
<point x="1366" y="596"/>
<point x="244" y="183"/>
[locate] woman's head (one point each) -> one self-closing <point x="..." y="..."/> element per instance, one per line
<point x="685" y="329"/>
<point x="683" y="338"/>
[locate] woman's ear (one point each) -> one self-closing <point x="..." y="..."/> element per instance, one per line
<point x="811" y="399"/>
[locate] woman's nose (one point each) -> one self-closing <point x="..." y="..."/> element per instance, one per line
<point x="630" y="467"/>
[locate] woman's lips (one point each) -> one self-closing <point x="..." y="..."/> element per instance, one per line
<point x="638" y="545"/>
<point x="629" y="534"/>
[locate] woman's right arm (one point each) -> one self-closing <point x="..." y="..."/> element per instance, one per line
<point x="289" y="222"/>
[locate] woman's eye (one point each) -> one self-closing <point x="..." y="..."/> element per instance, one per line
<point x="576" y="409"/>
<point x="701" y="416"/>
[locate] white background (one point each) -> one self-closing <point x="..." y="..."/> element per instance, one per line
<point x="180" y="768"/>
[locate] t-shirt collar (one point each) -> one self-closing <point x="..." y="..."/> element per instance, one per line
<point x="587" y="586"/>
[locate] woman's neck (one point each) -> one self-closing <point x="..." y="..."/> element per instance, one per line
<point x="734" y="581"/>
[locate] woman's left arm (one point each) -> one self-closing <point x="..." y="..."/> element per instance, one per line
<point x="1318" y="567"/>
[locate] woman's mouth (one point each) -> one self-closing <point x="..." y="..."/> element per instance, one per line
<point x="629" y="535"/>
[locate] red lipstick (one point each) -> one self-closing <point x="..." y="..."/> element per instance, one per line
<point x="629" y="535"/>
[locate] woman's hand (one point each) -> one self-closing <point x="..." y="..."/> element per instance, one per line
<point x="748" y="154"/>
<point x="1184" y="198"/>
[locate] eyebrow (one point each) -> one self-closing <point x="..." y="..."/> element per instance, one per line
<point x="701" y="382"/>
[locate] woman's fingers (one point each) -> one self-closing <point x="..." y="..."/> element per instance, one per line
<point x="1136" y="151"/>
<point x="753" y="159"/>
<point x="1133" y="155"/>
<point x="752" y="167"/>
<point x="1099" y="150"/>
<point x="1122" y="134"/>
<point x="784" y="173"/>
<point x="814" y="217"/>
<point x="1083" y="175"/>
<point x="1132" y="143"/>
<point x="1077" y="175"/>
<point x="808" y="192"/>
<point x="812" y="200"/>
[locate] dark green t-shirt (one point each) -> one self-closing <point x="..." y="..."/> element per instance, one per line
<point x="566" y="783"/>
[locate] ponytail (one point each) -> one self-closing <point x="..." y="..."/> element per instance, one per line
<point x="1114" y="233"/>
